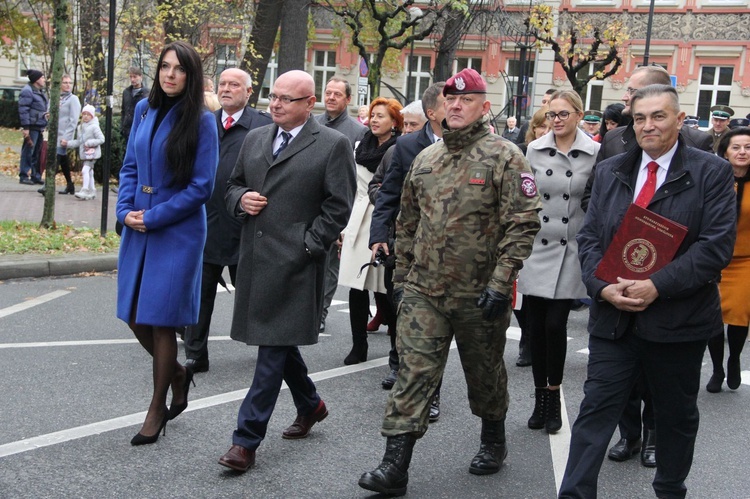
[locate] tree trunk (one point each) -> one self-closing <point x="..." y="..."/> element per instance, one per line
<point x="293" y="43"/>
<point x="58" y="61"/>
<point x="260" y="43"/>
<point x="446" y="51"/>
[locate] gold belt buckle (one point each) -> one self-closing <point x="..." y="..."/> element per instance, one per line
<point x="147" y="189"/>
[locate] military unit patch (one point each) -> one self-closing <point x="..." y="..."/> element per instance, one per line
<point x="528" y="185"/>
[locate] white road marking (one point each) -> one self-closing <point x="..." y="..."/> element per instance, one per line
<point x="560" y="443"/>
<point x="32" y="303"/>
<point x="88" y="430"/>
<point x="78" y="343"/>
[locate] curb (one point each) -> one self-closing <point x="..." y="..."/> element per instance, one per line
<point x="25" y="266"/>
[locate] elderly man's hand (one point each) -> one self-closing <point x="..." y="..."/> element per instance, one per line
<point x="252" y="202"/>
<point x="630" y="295"/>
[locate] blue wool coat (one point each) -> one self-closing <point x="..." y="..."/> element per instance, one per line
<point x="159" y="271"/>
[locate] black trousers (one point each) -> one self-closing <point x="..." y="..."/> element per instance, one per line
<point x="672" y="372"/>
<point x="196" y="337"/>
<point x="547" y="322"/>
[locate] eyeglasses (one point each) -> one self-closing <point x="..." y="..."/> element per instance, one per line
<point x="631" y="90"/>
<point x="563" y="115"/>
<point x="285" y="99"/>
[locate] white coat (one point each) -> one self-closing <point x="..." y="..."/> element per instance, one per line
<point x="355" y="251"/>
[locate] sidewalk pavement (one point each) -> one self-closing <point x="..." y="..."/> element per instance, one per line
<point x="23" y="203"/>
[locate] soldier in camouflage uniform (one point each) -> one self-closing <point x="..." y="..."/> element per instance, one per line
<point x="468" y="220"/>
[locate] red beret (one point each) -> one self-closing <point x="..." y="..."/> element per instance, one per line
<point x="466" y="81"/>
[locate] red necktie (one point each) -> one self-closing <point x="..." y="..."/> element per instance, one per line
<point x="228" y="123"/>
<point x="648" y="189"/>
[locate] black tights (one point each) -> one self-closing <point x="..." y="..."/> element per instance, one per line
<point x="161" y="344"/>
<point x="547" y="322"/>
<point x="736" y="337"/>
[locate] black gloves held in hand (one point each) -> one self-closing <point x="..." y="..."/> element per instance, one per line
<point x="493" y="304"/>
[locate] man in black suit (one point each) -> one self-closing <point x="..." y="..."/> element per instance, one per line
<point x="658" y="326"/>
<point x="617" y="141"/>
<point x="293" y="188"/>
<point x="233" y="120"/>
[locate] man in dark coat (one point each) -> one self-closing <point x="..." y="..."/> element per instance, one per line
<point x="130" y="97"/>
<point x="618" y="141"/>
<point x="293" y="188"/>
<point x="234" y="120"/>
<point x="657" y="326"/>
<point x="337" y="96"/>
<point x="388" y="201"/>
<point x="33" y="111"/>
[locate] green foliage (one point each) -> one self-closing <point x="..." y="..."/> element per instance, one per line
<point x="25" y="237"/>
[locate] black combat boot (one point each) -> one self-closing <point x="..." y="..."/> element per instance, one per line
<point x="539" y="416"/>
<point x="553" y="421"/>
<point x="492" y="449"/>
<point x="391" y="477"/>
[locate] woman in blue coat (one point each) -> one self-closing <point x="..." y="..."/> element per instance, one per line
<point x="166" y="178"/>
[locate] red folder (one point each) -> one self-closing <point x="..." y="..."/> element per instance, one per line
<point x="644" y="243"/>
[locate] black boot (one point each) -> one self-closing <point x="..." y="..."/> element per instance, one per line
<point x="70" y="189"/>
<point x="553" y="421"/>
<point x="392" y="476"/>
<point x="492" y="449"/>
<point x="539" y="416"/>
<point x="359" y="349"/>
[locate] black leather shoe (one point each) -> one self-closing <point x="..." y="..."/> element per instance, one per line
<point x="624" y="449"/>
<point x="524" y="357"/>
<point x="38" y="181"/>
<point x="26" y="181"/>
<point x="197" y="365"/>
<point x="489" y="459"/>
<point x="41" y="191"/>
<point x="322" y="327"/>
<point x="714" y="384"/>
<point x="435" y="408"/>
<point x="648" y="452"/>
<point x="389" y="380"/>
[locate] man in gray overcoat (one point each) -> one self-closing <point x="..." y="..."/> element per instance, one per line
<point x="293" y="187"/>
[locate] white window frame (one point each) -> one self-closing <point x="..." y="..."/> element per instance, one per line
<point x="513" y="81"/>
<point x="714" y="88"/>
<point x="469" y="64"/>
<point x="222" y="61"/>
<point x="271" y="75"/>
<point x="327" y="70"/>
<point x="421" y="75"/>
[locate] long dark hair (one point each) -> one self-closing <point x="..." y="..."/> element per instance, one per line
<point x="182" y="142"/>
<point x="613" y="112"/>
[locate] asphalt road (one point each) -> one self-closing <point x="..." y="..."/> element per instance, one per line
<point x="75" y="384"/>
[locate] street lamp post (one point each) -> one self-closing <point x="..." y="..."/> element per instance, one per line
<point x="414" y="13"/>
<point x="648" y="33"/>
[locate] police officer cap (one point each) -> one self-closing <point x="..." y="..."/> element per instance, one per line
<point x="466" y="81"/>
<point x="722" y="112"/>
<point x="34" y="75"/>
<point x="739" y="122"/>
<point x="690" y="120"/>
<point x="592" y="116"/>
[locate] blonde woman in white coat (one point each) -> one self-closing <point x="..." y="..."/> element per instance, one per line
<point x="551" y="277"/>
<point x="89" y="140"/>
<point x="386" y="123"/>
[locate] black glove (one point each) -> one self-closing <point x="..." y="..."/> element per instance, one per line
<point x="493" y="303"/>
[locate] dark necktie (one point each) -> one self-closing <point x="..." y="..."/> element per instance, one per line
<point x="228" y="123"/>
<point x="284" y="142"/>
<point x="648" y="189"/>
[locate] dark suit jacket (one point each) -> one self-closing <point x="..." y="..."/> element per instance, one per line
<point x="622" y="139"/>
<point x="310" y="188"/>
<point x="697" y="193"/>
<point x="223" y="239"/>
<point x="389" y="196"/>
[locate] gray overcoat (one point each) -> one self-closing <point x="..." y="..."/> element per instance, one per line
<point x="553" y="270"/>
<point x="310" y="189"/>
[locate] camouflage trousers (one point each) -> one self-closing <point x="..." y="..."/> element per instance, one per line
<point x="425" y="328"/>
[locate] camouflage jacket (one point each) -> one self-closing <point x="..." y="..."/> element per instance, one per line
<point x="469" y="214"/>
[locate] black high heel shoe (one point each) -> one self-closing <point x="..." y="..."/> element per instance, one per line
<point x="176" y="410"/>
<point x="141" y="439"/>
